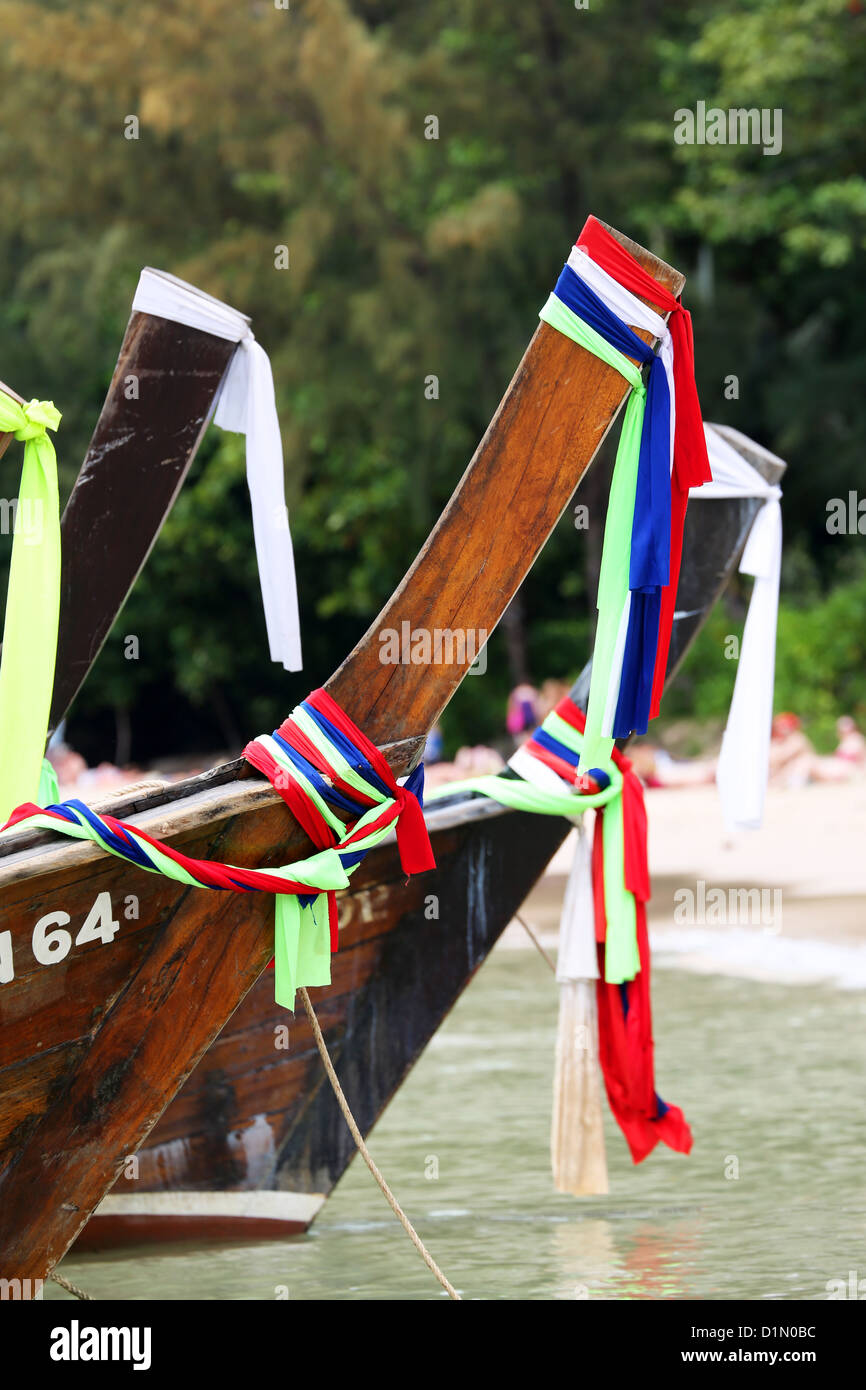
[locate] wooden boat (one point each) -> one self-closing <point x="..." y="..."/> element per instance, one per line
<point x="254" y="1142"/>
<point x="95" y="1045"/>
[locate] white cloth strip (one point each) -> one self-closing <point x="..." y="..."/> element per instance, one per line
<point x="245" y="405"/>
<point x="743" y="765"/>
<point x="538" y="774"/>
<point x="577" y="958"/>
<point x="616" y="671"/>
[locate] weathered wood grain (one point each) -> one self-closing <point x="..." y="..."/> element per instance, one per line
<point x="140" y="453"/>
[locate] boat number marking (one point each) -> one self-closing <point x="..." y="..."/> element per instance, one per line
<point x="51" y="942"/>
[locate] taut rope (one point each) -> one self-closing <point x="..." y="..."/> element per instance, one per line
<point x="367" y="1156"/>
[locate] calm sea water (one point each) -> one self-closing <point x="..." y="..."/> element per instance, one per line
<point x="770" y="1077"/>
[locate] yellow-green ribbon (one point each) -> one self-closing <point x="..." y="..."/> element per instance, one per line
<point x="32" y="605"/>
<point x="613" y="590"/>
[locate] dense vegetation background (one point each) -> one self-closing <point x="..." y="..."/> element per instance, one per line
<point x="410" y="256"/>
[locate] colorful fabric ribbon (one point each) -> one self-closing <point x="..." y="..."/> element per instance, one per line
<point x="342" y="792"/>
<point x="32" y="605"/>
<point x="246" y="405"/>
<point x="636" y="552"/>
<point x="621" y="890"/>
<point x="743" y="764"/>
<point x="690" y="463"/>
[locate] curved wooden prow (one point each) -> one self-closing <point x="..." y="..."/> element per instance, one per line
<point x="6" y="439"/>
<point x="552" y="419"/>
<point x="156" y="411"/>
<point x="202" y="950"/>
<point x="487" y="858"/>
<point x="160" y="399"/>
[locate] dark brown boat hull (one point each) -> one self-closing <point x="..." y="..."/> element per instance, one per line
<point x="256" y="1118"/>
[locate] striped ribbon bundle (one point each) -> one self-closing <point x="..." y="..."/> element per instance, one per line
<point x="342" y="792"/>
<point x="608" y="941"/>
<point x="661" y="455"/>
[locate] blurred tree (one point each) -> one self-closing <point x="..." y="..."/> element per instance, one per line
<point x="420" y="164"/>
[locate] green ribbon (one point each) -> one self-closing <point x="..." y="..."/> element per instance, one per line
<point x="613" y="587"/>
<point x="622" y="956"/>
<point x="32" y="605"/>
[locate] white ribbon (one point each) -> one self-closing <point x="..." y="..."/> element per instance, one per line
<point x="636" y="314"/>
<point x="577" y="957"/>
<point x="743" y="764"/>
<point x="245" y="405"/>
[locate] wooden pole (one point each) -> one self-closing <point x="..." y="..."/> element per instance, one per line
<point x="6" y="439"/>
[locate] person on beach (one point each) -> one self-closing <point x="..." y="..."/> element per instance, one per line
<point x="794" y="762"/>
<point x="522" y="714"/>
<point x="852" y="744"/>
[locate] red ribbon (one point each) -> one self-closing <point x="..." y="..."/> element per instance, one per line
<point x="413" y="841"/>
<point x="625" y="1041"/>
<point x="691" y="464"/>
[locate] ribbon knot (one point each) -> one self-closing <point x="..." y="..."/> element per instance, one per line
<point x="413" y="841"/>
<point x="39" y="416"/>
<point x="690" y="462"/>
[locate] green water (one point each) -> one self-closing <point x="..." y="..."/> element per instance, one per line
<point x="771" y="1078"/>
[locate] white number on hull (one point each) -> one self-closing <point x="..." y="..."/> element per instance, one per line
<point x="99" y="924"/>
<point x="7" y="970"/>
<point x="51" y="946"/>
<point x="51" y="942"/>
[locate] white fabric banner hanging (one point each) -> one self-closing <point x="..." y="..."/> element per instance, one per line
<point x="744" y="760"/>
<point x="577" y="957"/>
<point x="245" y="405"/>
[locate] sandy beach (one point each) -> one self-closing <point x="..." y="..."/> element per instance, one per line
<point x="808" y="857"/>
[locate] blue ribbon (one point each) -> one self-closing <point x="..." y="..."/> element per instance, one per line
<point x="353" y="757"/>
<point x="649" y="566"/>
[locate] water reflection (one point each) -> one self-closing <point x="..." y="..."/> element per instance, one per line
<point x="770" y="1204"/>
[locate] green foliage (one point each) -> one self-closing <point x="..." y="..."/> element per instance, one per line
<point x="819" y="663"/>
<point x="409" y="257"/>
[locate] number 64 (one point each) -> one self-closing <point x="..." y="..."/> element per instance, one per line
<point x="52" y="943"/>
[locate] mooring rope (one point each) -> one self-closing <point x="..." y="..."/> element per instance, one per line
<point x="367" y="1156"/>
<point x="362" y="1147"/>
<point x="72" y="1288"/>
<point x="534" y="939"/>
